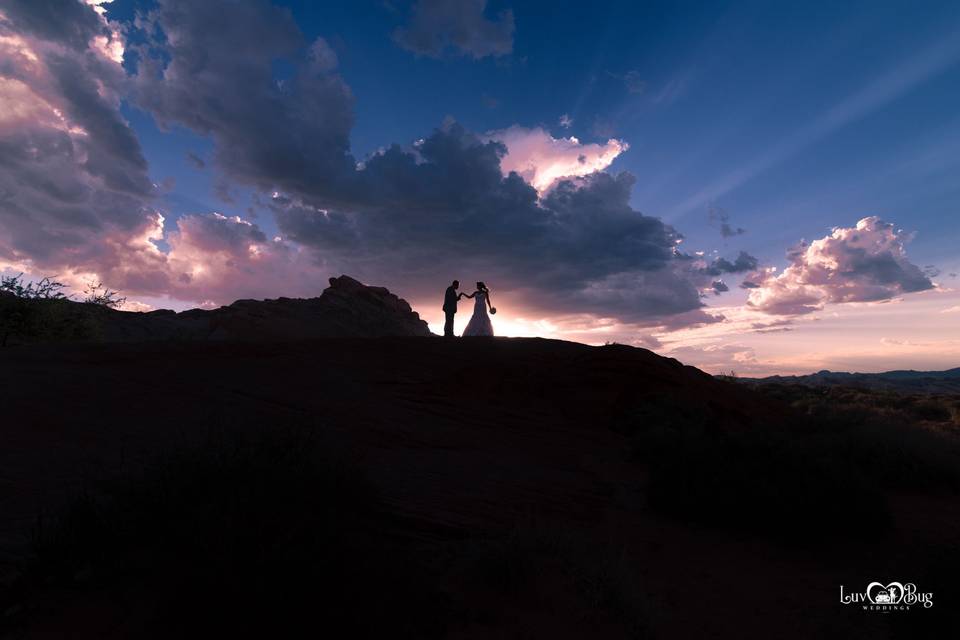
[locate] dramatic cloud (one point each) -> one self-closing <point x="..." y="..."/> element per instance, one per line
<point x="716" y="357"/>
<point x="865" y="263"/>
<point x="74" y="189"/>
<point x="75" y="197"/>
<point x="67" y="22"/>
<point x="541" y="159"/>
<point x="438" y="26"/>
<point x="744" y="262"/>
<point x="291" y="135"/>
<point x="219" y="258"/>
<point x="446" y="207"/>
<point x="536" y="217"/>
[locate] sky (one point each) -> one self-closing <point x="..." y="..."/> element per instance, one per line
<point x="752" y="187"/>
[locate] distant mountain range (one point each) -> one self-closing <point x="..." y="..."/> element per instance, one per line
<point x="904" y="381"/>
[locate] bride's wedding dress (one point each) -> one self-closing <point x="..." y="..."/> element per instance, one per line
<point x="479" y="324"/>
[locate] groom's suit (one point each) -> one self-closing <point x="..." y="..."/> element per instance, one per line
<point x="449" y="309"/>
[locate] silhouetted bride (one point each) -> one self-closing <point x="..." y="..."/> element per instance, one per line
<point x="480" y="324"/>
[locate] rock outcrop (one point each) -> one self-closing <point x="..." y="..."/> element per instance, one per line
<point x="347" y="308"/>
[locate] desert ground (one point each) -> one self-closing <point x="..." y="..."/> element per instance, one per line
<point x="529" y="488"/>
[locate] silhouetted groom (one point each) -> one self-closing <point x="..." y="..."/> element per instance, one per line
<point x="450" y="299"/>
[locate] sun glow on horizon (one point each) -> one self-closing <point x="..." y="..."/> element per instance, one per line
<point x="753" y="343"/>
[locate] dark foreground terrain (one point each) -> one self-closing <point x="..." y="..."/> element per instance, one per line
<point x="424" y="488"/>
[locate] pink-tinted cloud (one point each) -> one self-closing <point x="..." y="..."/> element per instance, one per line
<point x="75" y="196"/>
<point x="541" y="159"/>
<point x="73" y="179"/>
<point x="866" y="263"/>
<point x="717" y="357"/>
<point x="219" y="258"/>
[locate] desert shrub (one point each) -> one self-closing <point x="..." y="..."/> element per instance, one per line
<point x="901" y="456"/>
<point x="953" y="403"/>
<point x="853" y="403"/>
<point x="241" y="538"/>
<point x="45" y="289"/>
<point x="97" y="294"/>
<point x="26" y="321"/>
<point x="927" y="408"/>
<point x="40" y="311"/>
<point x="27" y="309"/>
<point x="821" y="471"/>
<point x="897" y="440"/>
<point x="18" y="319"/>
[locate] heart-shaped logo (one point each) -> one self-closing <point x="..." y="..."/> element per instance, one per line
<point x="890" y="594"/>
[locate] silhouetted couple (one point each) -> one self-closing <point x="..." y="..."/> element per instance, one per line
<point x="479" y="324"/>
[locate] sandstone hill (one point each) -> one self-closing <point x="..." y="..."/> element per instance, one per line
<point x="347" y="308"/>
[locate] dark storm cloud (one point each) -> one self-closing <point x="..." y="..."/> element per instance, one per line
<point x="445" y="207"/>
<point x="74" y="189"/>
<point x="744" y="262"/>
<point x="407" y="215"/>
<point x="438" y="26"/>
<point x="886" y="270"/>
<point x="112" y="150"/>
<point x="290" y="134"/>
<point x="216" y="257"/>
<point x="727" y="231"/>
<point x="215" y="232"/>
<point x="69" y="22"/>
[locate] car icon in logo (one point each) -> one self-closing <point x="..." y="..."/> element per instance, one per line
<point x="883" y="597"/>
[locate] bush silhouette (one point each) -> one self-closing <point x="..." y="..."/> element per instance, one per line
<point x="42" y="312"/>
